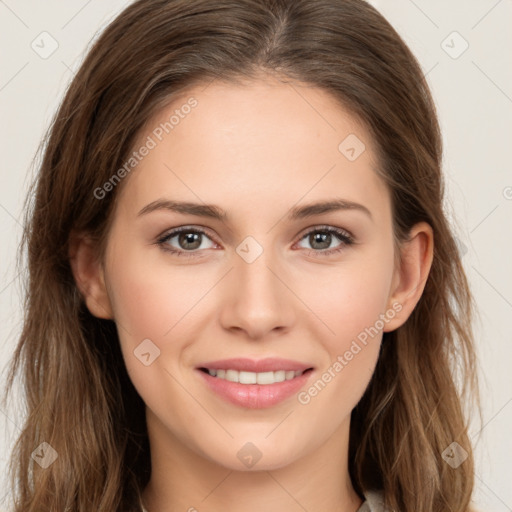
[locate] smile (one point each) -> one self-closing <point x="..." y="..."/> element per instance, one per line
<point x="254" y="390"/>
<point x="263" y="378"/>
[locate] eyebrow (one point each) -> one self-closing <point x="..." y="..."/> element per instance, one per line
<point x="214" y="212"/>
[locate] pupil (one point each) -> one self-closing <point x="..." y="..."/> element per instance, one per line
<point x="323" y="238"/>
<point x="187" y="240"/>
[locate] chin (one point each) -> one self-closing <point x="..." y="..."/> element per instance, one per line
<point x="257" y="455"/>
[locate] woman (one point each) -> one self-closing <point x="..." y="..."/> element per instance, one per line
<point x="182" y="348"/>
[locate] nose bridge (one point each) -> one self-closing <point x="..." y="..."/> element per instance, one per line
<point x="256" y="281"/>
<point x="259" y="301"/>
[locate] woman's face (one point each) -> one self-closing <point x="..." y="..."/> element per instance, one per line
<point x="267" y="277"/>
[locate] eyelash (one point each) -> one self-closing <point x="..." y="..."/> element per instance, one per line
<point x="343" y="236"/>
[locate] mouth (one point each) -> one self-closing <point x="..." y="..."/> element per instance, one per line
<point x="261" y="378"/>
<point x="255" y="384"/>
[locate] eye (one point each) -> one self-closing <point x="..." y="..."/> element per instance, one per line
<point x="321" y="238"/>
<point x="188" y="240"/>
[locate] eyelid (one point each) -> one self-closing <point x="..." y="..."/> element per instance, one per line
<point x="325" y="227"/>
<point x="171" y="233"/>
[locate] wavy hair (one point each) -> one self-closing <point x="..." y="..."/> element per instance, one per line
<point x="78" y="395"/>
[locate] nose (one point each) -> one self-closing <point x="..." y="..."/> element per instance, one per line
<point x="258" y="299"/>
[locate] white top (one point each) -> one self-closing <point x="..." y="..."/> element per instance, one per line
<point x="373" y="503"/>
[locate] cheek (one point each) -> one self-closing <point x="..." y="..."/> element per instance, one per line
<point x="348" y="299"/>
<point x="350" y="303"/>
<point x="150" y="303"/>
<point x="150" y="299"/>
<point x="143" y="307"/>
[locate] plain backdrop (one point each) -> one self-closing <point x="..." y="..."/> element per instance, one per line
<point x="464" y="48"/>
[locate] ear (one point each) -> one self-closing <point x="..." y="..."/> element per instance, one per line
<point x="89" y="275"/>
<point x="409" y="279"/>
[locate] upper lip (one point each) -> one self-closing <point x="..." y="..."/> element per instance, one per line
<point x="270" y="364"/>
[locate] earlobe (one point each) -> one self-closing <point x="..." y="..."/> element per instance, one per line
<point x="89" y="275"/>
<point x="410" y="279"/>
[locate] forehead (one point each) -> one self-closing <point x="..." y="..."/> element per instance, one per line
<point x="263" y="144"/>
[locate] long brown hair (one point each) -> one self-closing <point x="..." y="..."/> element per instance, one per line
<point x="79" y="398"/>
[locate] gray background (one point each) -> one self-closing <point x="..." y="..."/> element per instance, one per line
<point x="473" y="93"/>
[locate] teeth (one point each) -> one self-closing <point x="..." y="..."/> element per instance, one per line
<point x="255" y="378"/>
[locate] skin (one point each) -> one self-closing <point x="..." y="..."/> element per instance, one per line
<point x="256" y="151"/>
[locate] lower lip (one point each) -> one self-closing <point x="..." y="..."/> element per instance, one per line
<point x="255" y="396"/>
